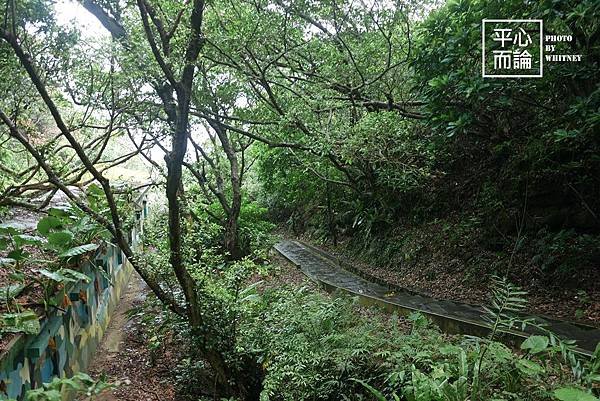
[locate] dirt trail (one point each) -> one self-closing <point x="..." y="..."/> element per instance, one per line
<point x="124" y="354"/>
<point x="116" y="337"/>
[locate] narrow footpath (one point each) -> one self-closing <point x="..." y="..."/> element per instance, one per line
<point x="124" y="357"/>
<point x="452" y="317"/>
<point x="115" y="336"/>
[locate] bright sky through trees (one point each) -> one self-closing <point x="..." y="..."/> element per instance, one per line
<point x="71" y="12"/>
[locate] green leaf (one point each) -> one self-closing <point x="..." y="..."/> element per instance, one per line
<point x="529" y="368"/>
<point x="11" y="291"/>
<point x="573" y="394"/>
<point x="24" y="239"/>
<point x="43" y="394"/>
<point x="94" y="189"/>
<point x="562" y="134"/>
<point x="500" y="352"/>
<point x="535" y="344"/>
<point x="18" y="254"/>
<point x="64" y="275"/>
<point x="78" y="250"/>
<point x="24" y="322"/>
<point x="17" y="276"/>
<point x="375" y="392"/>
<point x="75" y="274"/>
<point x="48" y="223"/>
<point x="6" y="261"/>
<point x="60" y="211"/>
<point x="56" y="276"/>
<point x="60" y="239"/>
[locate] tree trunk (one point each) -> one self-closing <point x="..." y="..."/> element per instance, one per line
<point x="231" y="243"/>
<point x="232" y="238"/>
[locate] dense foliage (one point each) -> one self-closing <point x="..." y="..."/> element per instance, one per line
<point x="494" y="162"/>
<point x="313" y="348"/>
<point x="366" y="124"/>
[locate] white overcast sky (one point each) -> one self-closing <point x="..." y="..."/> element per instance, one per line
<point x="70" y="12"/>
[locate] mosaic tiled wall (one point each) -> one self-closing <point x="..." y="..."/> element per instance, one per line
<point x="69" y="337"/>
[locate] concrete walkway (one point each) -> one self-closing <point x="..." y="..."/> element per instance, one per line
<point x="452" y="317"/>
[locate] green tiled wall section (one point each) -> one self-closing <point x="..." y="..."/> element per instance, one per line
<point x="69" y="337"/>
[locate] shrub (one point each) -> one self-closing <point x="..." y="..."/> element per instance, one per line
<point x="312" y="347"/>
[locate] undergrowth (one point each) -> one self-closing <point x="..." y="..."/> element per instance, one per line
<point x="313" y="347"/>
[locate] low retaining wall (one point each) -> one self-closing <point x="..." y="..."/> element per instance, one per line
<point x="69" y="337"/>
<point x="452" y="317"/>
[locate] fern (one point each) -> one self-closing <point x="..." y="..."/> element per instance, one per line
<point x="507" y="301"/>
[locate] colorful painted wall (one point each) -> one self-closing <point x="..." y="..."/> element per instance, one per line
<point x="68" y="338"/>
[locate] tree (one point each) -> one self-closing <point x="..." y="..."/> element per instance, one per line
<point x="173" y="83"/>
